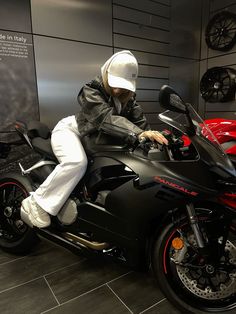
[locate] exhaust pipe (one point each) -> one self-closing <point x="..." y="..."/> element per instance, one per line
<point x="99" y="246"/>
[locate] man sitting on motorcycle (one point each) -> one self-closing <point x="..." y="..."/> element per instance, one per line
<point x="107" y="104"/>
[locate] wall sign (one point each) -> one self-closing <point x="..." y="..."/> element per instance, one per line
<point x="18" y="93"/>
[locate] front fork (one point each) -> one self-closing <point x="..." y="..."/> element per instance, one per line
<point x="201" y="242"/>
<point x="209" y="250"/>
<point x="193" y="219"/>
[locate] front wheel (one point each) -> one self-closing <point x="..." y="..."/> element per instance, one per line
<point x="188" y="281"/>
<point x="15" y="235"/>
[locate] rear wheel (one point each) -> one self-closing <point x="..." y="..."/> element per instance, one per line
<point x="188" y="281"/>
<point x="15" y="235"/>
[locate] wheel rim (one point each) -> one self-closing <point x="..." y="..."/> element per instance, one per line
<point x="206" y="287"/>
<point x="221" y="284"/>
<point x="11" y="226"/>
<point x="218" y="85"/>
<point x="221" y="31"/>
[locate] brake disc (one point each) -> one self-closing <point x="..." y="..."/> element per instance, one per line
<point x="225" y="289"/>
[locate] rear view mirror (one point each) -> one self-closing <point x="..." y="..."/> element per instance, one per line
<point x="170" y="100"/>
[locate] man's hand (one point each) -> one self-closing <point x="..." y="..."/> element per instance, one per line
<point x="154" y="136"/>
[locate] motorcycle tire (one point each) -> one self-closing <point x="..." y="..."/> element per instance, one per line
<point x="186" y="287"/>
<point x="15" y="236"/>
<point x="220" y="32"/>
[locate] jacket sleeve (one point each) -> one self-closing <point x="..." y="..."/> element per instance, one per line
<point x="98" y="111"/>
<point x="137" y="116"/>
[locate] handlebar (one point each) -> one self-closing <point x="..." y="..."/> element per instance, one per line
<point x="175" y="150"/>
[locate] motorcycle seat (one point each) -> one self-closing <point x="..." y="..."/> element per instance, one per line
<point x="38" y="129"/>
<point x="43" y="146"/>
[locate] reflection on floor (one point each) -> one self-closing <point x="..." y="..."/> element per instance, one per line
<point x="54" y="280"/>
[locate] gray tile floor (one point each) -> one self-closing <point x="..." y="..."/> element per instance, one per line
<point x="54" y="280"/>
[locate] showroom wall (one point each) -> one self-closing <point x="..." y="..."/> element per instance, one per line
<point x="67" y="57"/>
<point x="211" y="58"/>
<point x="144" y="28"/>
<point x="185" y="48"/>
<point x="68" y="41"/>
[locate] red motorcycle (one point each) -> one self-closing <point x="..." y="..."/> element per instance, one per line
<point x="225" y="132"/>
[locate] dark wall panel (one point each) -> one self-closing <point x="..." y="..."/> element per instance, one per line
<point x="140" y="31"/>
<point x="153" y="71"/>
<point x="232" y="8"/>
<point x="84" y="20"/>
<point x="15" y="15"/>
<point x="144" y="28"/>
<point x="212" y="58"/>
<point x="185" y="28"/>
<point x="141" y="18"/>
<point x="146" y="6"/>
<point x="184" y="48"/>
<point x="224" y="115"/>
<point x="217" y="5"/>
<point x="63" y="67"/>
<point x="145" y="45"/>
<point x="152" y="59"/>
<point x="220" y="107"/>
<point x="151" y="83"/>
<point x="147" y="95"/>
<point x="185" y="34"/>
<point x="152" y="107"/>
<point x="72" y="40"/>
<point x="184" y="76"/>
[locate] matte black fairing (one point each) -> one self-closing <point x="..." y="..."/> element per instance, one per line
<point x="155" y="188"/>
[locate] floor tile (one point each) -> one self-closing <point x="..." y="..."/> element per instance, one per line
<point x="78" y="279"/>
<point x="45" y="258"/>
<point x="163" y="307"/>
<point x="7" y="257"/>
<point x="30" y="298"/>
<point x="99" y="301"/>
<point x="138" y="291"/>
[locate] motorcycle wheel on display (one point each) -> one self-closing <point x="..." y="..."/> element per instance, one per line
<point x="218" y="84"/>
<point x="191" y="283"/>
<point x="220" y="32"/>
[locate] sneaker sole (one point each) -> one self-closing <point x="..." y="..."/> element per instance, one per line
<point x="25" y="217"/>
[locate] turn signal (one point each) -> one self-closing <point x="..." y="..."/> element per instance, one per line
<point x="177" y="243"/>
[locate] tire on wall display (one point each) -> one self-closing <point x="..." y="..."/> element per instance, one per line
<point x="218" y="84"/>
<point x="220" y="32"/>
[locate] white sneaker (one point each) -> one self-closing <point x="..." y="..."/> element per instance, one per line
<point x="33" y="215"/>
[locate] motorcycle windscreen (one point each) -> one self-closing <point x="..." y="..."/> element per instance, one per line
<point x="209" y="149"/>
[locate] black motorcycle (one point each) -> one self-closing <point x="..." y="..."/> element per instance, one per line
<point x="167" y="207"/>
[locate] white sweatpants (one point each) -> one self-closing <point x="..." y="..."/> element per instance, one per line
<point x="66" y="145"/>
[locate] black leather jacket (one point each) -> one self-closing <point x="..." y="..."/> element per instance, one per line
<point x="98" y="112"/>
